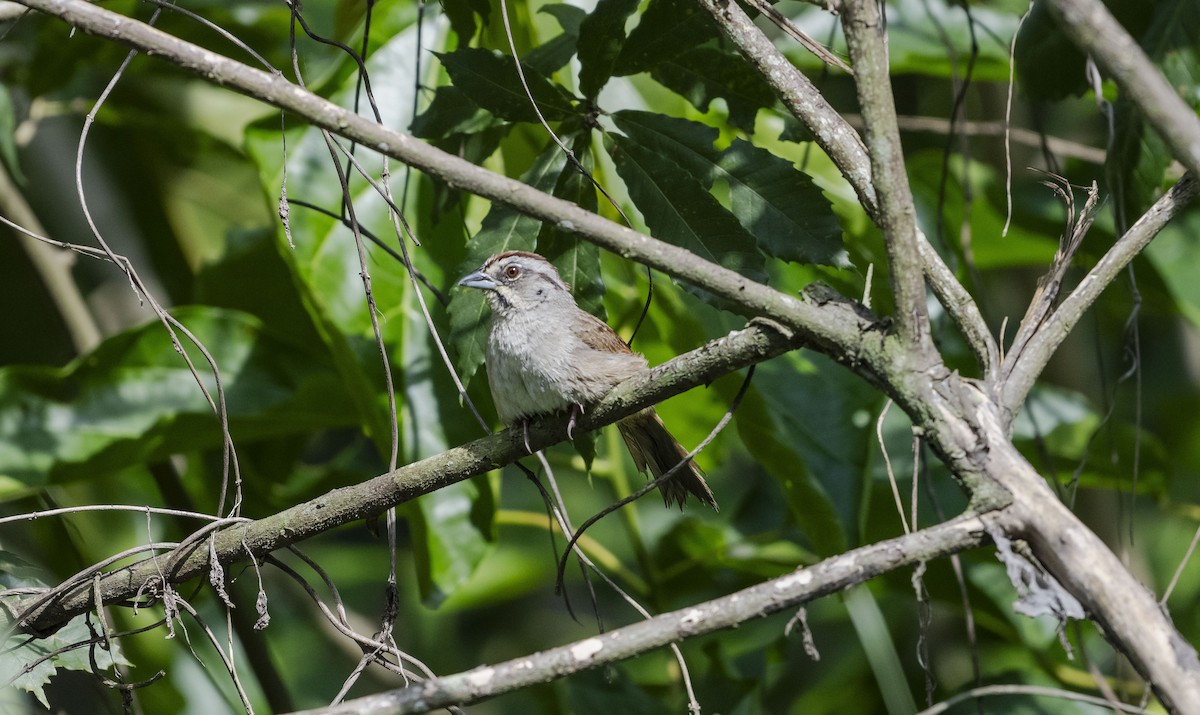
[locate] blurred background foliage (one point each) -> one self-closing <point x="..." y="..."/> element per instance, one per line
<point x="184" y="178"/>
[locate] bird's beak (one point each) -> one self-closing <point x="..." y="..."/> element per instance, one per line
<point x="478" y="279"/>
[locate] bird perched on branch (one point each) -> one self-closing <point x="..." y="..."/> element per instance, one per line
<point x="545" y="354"/>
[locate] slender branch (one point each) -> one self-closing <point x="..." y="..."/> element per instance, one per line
<point x="53" y="267"/>
<point x="786" y="592"/>
<point x="863" y="25"/>
<point x="1042" y="345"/>
<point x="754" y="344"/>
<point x="1092" y="27"/>
<point x="1019" y="135"/>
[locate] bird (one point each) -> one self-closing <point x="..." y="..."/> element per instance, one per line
<point x="547" y="355"/>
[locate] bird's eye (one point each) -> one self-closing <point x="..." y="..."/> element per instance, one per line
<point x="512" y="272"/>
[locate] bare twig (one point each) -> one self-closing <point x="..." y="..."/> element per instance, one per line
<point x="1042" y="345"/>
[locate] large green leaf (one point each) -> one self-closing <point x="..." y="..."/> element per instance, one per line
<point x="451" y="112"/>
<point x="462" y="13"/>
<point x="824" y="415"/>
<point x="679" y="210"/>
<point x="601" y="36"/>
<point x="769" y="440"/>
<point x="772" y="199"/>
<point x="703" y="74"/>
<point x="491" y="80"/>
<point x="133" y="400"/>
<point x="665" y="30"/>
<point x="784" y="210"/>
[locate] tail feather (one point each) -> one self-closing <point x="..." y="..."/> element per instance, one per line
<point x="653" y="447"/>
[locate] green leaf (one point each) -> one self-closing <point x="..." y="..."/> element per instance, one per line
<point x="679" y="210"/>
<point x="23" y="652"/>
<point x="703" y="74"/>
<point x="451" y="112"/>
<point x="133" y="400"/>
<point x="462" y="13"/>
<point x="689" y="144"/>
<point x="666" y="29"/>
<point x="491" y="80"/>
<point x="877" y="643"/>
<point x="772" y="199"/>
<point x="781" y="206"/>
<point x="504" y="229"/>
<point x="825" y="415"/>
<point x="601" y="36"/>
<point x="807" y="500"/>
<point x="448" y="538"/>
<point x="549" y="57"/>
<point x="569" y="17"/>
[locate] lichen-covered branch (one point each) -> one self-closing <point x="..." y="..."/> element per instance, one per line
<point x="790" y="591"/>
<point x="760" y="341"/>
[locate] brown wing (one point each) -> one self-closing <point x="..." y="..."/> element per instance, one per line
<point x="598" y="336"/>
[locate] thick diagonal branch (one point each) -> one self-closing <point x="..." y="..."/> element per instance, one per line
<point x="797" y="588"/>
<point x="758" y="342"/>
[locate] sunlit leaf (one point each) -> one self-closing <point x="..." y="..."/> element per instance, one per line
<point x="679" y="210"/>
<point x="703" y="74"/>
<point x="787" y="214"/>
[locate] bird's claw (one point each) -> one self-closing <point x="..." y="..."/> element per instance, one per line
<point x="576" y="410"/>
<point x="525" y="432"/>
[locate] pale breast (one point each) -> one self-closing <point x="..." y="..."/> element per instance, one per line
<point x="535" y="367"/>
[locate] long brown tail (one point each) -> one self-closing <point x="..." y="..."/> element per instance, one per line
<point x="651" y="445"/>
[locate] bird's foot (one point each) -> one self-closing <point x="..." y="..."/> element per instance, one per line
<point x="575" y="412"/>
